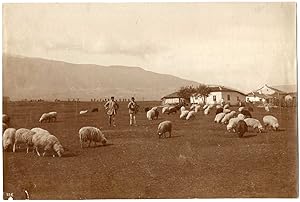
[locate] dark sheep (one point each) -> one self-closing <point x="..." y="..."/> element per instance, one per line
<point x="250" y="109"/>
<point x="147" y="109"/>
<point x="95" y="110"/>
<point x="219" y="110"/>
<point x="172" y="110"/>
<point x="156" y="114"/>
<point x="246" y="113"/>
<point x="241" y="128"/>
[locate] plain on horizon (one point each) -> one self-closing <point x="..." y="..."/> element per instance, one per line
<point x="240" y="45"/>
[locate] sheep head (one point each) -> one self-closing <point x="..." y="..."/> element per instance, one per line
<point x="58" y="148"/>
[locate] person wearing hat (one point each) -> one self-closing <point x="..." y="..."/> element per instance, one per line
<point x="111" y="106"/>
<point x="133" y="108"/>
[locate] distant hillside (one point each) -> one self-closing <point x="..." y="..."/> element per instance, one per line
<point x="34" y="78"/>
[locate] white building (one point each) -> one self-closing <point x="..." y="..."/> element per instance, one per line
<point x="221" y="94"/>
<point x="172" y="98"/>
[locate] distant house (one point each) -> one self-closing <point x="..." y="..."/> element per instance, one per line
<point x="172" y="98"/>
<point x="221" y="94"/>
<point x="266" y="94"/>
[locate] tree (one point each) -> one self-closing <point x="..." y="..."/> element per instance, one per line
<point x="186" y="92"/>
<point x="198" y="91"/>
<point x="202" y="91"/>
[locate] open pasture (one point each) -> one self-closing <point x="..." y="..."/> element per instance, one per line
<point x="200" y="160"/>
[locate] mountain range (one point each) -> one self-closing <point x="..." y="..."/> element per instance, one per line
<point x="37" y="78"/>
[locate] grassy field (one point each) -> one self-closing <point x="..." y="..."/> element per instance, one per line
<point x="201" y="160"/>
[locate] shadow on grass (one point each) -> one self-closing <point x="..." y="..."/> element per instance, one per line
<point x="249" y="136"/>
<point x="96" y="146"/>
<point x="173" y="136"/>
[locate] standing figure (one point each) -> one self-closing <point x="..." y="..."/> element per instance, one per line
<point x="111" y="106"/>
<point x="133" y="109"/>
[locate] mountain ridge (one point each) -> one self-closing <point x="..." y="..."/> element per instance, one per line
<point x="39" y="78"/>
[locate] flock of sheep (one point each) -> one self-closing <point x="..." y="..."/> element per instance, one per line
<point x="40" y="139"/>
<point x="235" y="122"/>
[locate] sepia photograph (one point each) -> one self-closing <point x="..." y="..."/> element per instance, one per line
<point x="157" y="100"/>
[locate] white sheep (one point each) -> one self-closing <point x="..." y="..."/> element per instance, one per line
<point x="226" y="106"/>
<point x="40" y="130"/>
<point x="267" y="108"/>
<point x="23" y="135"/>
<point x="227" y="117"/>
<point x="182" y="108"/>
<point x="47" y="142"/>
<point x="193" y="106"/>
<point x="219" y="117"/>
<point x="206" y="111"/>
<point x="164" y="127"/>
<point x="48" y="117"/>
<point x="254" y="123"/>
<point x="91" y="134"/>
<point x="165" y="110"/>
<point x="83" y="112"/>
<point x="218" y="106"/>
<point x="154" y="108"/>
<point x="150" y="114"/>
<point x="184" y="114"/>
<point x="205" y="106"/>
<point x="241" y="116"/>
<point x="8" y="138"/>
<point x="241" y="109"/>
<point x="191" y="114"/>
<point x="271" y="121"/>
<point x="226" y="111"/>
<point x="197" y="108"/>
<point x="232" y="123"/>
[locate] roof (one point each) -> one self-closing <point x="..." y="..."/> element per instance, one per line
<point x="287" y="88"/>
<point x="272" y="88"/>
<point x="256" y="94"/>
<point x="172" y="95"/>
<point x="224" y="89"/>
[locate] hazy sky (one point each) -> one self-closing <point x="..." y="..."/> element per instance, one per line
<point x="240" y="45"/>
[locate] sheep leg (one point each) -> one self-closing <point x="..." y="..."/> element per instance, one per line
<point x="14" y="147"/>
<point x="81" y="144"/>
<point x="27" y="150"/>
<point x="170" y="134"/>
<point x="36" y="149"/>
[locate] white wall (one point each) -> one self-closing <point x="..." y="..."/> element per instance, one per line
<point x="218" y="98"/>
<point x="171" y="100"/>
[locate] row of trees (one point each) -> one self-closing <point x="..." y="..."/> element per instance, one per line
<point x="199" y="91"/>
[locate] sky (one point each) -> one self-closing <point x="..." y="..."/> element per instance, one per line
<point x="239" y="45"/>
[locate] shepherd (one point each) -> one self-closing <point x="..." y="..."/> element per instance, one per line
<point x="133" y="108"/>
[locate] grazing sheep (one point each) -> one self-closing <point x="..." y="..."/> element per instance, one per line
<point x="227" y="117"/>
<point x="219" y="110"/>
<point x="191" y="114"/>
<point x="91" y="134"/>
<point x="164" y="127"/>
<point x="48" y="117"/>
<point x="254" y="123"/>
<point x="182" y="108"/>
<point x="193" y="106"/>
<point x="40" y="130"/>
<point x="152" y="113"/>
<point x="184" y="114"/>
<point x="218" y="106"/>
<point x="205" y="106"/>
<point x="219" y="117"/>
<point x="226" y="106"/>
<point x="197" y="108"/>
<point x="154" y="108"/>
<point x="226" y="111"/>
<point x="173" y="109"/>
<point x="165" y="110"/>
<point x="241" y="116"/>
<point x="48" y="143"/>
<point x="147" y="109"/>
<point x="232" y="123"/>
<point x="271" y="121"/>
<point x="23" y="135"/>
<point x="95" y="110"/>
<point x="241" y="128"/>
<point x="250" y="109"/>
<point x="207" y="111"/>
<point x="246" y="113"/>
<point x="83" y="111"/>
<point x="5" y="119"/>
<point x="241" y="109"/>
<point x="8" y="138"/>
